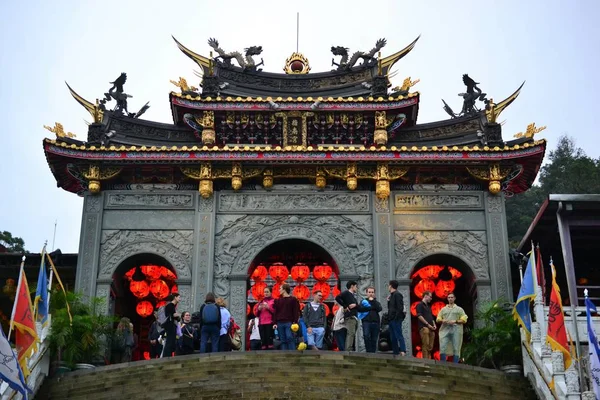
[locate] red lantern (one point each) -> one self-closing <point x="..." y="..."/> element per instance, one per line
<point x="422" y="286"/>
<point x="275" y="292"/>
<point x="258" y="290"/>
<point x="159" y="289"/>
<point x="322" y="272"/>
<point x="444" y="288"/>
<point x="153" y="272"/>
<point x="255" y="309"/>
<point x="413" y="308"/>
<point x="140" y="289"/>
<point x="327" y="310"/>
<point x="279" y="272"/>
<point x="248" y="309"/>
<point x="160" y="304"/>
<point x="144" y="308"/>
<point x="167" y="274"/>
<point x="174" y="289"/>
<point x="259" y="273"/>
<point x="436" y="308"/>
<point x="146" y="355"/>
<point x="300" y="272"/>
<point x="129" y="274"/>
<point x="336" y="291"/>
<point x="455" y="273"/>
<point x="302" y="305"/>
<point x="336" y="307"/>
<point x="301" y="292"/>
<point x="428" y="272"/>
<point x="323" y="287"/>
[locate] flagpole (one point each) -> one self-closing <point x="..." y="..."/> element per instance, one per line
<point x="12" y="315"/>
<point x="35" y="303"/>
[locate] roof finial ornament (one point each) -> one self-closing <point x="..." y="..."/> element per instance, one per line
<point x="247" y="64"/>
<point x="472" y="94"/>
<point x="367" y="57"/>
<point x="297" y="63"/>
<point x="530" y="131"/>
<point x="59" y="131"/>
<point x="117" y="93"/>
<point x="185" y="88"/>
<point x="406" y="85"/>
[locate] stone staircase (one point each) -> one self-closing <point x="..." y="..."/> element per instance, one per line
<point x="287" y="375"/>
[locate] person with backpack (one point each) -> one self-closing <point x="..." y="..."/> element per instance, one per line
<point x="153" y="336"/>
<point x="224" y="338"/>
<point x="315" y="319"/>
<point x="170" y="324"/>
<point x="210" y="324"/>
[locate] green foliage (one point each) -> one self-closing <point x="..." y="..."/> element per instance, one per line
<point x="12" y="243"/>
<point x="497" y="340"/>
<point x="85" y="340"/>
<point x="569" y="171"/>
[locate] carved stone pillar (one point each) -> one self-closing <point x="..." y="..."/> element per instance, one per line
<point x="202" y="275"/>
<point x="484" y="295"/>
<point x="89" y="245"/>
<point x="404" y="288"/>
<point x="383" y="248"/>
<point x="103" y="292"/>
<point x="498" y="247"/>
<point x="237" y="303"/>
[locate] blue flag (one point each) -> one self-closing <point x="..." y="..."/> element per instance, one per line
<point x="594" y="348"/>
<point x="41" y="294"/>
<point x="10" y="370"/>
<point x="522" y="310"/>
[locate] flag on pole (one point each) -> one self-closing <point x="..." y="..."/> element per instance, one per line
<point x="557" y="332"/>
<point x="61" y="286"/>
<point x="541" y="279"/>
<point x="40" y="306"/>
<point x="594" y="349"/>
<point x="10" y="370"/>
<point x="522" y="309"/>
<point x="22" y="322"/>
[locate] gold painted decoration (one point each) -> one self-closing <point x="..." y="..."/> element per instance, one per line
<point x="382" y="189"/>
<point x="493" y="110"/>
<point x="380" y="135"/>
<point x="494" y="174"/>
<point x="208" y="124"/>
<point x="268" y="178"/>
<point x="236" y="176"/>
<point x="351" y="179"/>
<point x="321" y="182"/>
<point x="183" y="85"/>
<point x="406" y="85"/>
<point x="297" y="63"/>
<point x="388" y="62"/>
<point x="94" y="174"/>
<point x="94" y="109"/>
<point x="205" y="188"/>
<point x="531" y="131"/>
<point x="59" y="131"/>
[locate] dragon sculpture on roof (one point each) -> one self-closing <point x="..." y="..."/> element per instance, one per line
<point x="247" y="64"/>
<point x="367" y="57"/>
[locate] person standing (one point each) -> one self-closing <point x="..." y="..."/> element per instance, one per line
<point x="351" y="308"/>
<point x="266" y="313"/>
<point x="396" y="315"/>
<point x="188" y="335"/>
<point x="339" y="329"/>
<point x="210" y="324"/>
<point x="371" y="322"/>
<point x="452" y="318"/>
<point x="427" y="325"/>
<point x="253" y="327"/>
<point x="153" y="335"/>
<point x="315" y="319"/>
<point x="287" y="312"/>
<point x="224" y="344"/>
<point x="170" y="325"/>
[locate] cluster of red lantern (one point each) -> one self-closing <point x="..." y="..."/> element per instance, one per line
<point x="442" y="288"/>
<point x="158" y="281"/>
<point x="436" y="307"/>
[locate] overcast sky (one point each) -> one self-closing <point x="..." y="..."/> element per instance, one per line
<point x="553" y="45"/>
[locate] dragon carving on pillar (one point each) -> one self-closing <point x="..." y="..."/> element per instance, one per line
<point x="247" y="63"/>
<point x="367" y="57"/>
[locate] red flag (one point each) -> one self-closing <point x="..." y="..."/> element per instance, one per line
<point x="557" y="332"/>
<point x="540" y="273"/>
<point x="24" y="324"/>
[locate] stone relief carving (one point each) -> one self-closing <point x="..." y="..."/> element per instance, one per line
<point x="406" y="325"/>
<point x="238" y="239"/>
<point x="536" y="332"/>
<point x="85" y="267"/>
<point x="572" y="379"/>
<point x="500" y="257"/>
<point x="383" y="243"/>
<point x="382" y="205"/>
<point x="437" y="201"/>
<point x="237" y="302"/>
<point x="205" y="205"/>
<point x="494" y="204"/>
<point x="152" y="199"/>
<point x="412" y="246"/>
<point x="103" y="292"/>
<point x="185" y="303"/>
<point x="558" y="364"/>
<point x="117" y="245"/>
<point x="484" y="295"/>
<point x="294" y="202"/>
<point x="92" y="204"/>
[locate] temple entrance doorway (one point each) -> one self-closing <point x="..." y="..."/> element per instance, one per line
<point x="441" y="274"/>
<point x="139" y="286"/>
<point x="304" y="265"/>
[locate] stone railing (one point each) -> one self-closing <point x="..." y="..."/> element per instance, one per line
<point x="39" y="365"/>
<point x="545" y="368"/>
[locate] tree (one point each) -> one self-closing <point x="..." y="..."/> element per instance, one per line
<point x="12" y="243"/>
<point x="569" y="171"/>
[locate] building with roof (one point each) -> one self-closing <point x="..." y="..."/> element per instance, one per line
<point x="315" y="179"/>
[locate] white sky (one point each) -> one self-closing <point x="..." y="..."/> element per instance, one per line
<point x="553" y="45"/>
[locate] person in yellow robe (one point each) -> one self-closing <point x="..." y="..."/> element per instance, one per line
<point x="451" y="319"/>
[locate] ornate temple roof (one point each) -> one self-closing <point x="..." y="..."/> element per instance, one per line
<point x="345" y="118"/>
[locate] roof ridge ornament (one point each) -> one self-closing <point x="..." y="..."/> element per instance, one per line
<point x="530" y="132"/>
<point x="59" y="130"/>
<point x="297" y="63"/>
<point x="367" y="57"/>
<point x="247" y="63"/>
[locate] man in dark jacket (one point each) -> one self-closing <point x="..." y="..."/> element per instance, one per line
<point x="315" y="319"/>
<point x="348" y="300"/>
<point x="170" y="325"/>
<point x="396" y="315"/>
<point x="371" y="322"/>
